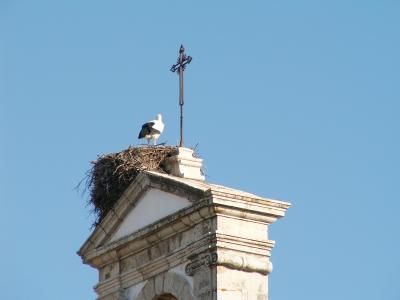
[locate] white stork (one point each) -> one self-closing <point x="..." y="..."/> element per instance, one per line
<point x="152" y="130"/>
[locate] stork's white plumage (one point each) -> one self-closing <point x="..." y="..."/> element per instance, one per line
<point x="152" y="130"/>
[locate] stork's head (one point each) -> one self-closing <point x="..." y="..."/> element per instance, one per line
<point x="159" y="117"/>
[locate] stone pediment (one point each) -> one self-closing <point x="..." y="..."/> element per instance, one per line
<point x="150" y="198"/>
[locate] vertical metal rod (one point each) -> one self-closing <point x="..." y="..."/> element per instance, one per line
<point x="181" y="102"/>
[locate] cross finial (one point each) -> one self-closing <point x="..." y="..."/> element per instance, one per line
<point x="180" y="67"/>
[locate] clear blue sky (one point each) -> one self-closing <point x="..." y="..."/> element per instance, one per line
<point x="292" y="100"/>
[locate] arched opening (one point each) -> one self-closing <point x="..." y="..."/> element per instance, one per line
<point x="166" y="286"/>
<point x="166" y="297"/>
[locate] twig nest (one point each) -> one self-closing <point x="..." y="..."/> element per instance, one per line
<point x="112" y="173"/>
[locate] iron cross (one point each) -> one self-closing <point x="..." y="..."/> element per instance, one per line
<point x="179" y="67"/>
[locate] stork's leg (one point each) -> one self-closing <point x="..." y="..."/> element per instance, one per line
<point x="155" y="141"/>
<point x="148" y="141"/>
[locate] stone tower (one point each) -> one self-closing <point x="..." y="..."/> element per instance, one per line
<point x="175" y="236"/>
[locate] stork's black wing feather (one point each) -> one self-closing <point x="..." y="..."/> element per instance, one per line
<point x="148" y="125"/>
<point x="146" y="129"/>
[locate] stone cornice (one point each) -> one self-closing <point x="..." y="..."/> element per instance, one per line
<point x="240" y="244"/>
<point x="275" y="209"/>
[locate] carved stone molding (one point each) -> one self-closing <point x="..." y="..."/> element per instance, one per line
<point x="207" y="260"/>
<point x="229" y="260"/>
<point x="242" y="263"/>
